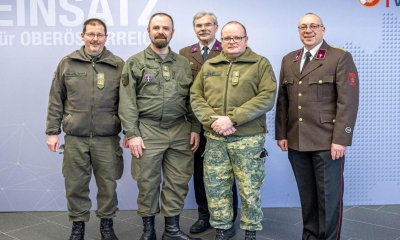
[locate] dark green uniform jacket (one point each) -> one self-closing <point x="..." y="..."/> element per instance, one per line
<point x="83" y="97"/>
<point x="156" y="92"/>
<point x="242" y="89"/>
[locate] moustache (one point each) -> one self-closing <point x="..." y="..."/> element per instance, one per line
<point x="161" y="36"/>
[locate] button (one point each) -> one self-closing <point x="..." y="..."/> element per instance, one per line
<point x="320" y="81"/>
<point x="299" y="107"/>
<point x="300" y="82"/>
<point x="285" y="81"/>
<point x="334" y="120"/>
<point x="300" y="119"/>
<point x="299" y="94"/>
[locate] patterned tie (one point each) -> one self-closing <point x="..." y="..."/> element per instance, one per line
<point x="205" y="53"/>
<point x="308" y="55"/>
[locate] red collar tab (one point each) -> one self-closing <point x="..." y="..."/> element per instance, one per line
<point x="321" y="54"/>
<point x="297" y="56"/>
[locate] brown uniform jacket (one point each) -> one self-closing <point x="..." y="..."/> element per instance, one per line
<point x="193" y="54"/>
<point x="319" y="106"/>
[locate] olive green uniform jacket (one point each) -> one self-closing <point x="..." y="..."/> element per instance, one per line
<point x="156" y="92"/>
<point x="319" y="106"/>
<point x="243" y="89"/>
<point x="83" y="97"/>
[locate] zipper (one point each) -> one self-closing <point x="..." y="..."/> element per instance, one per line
<point x="93" y="97"/>
<point x="226" y="88"/>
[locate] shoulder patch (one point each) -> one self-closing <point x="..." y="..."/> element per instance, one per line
<point x="272" y="74"/>
<point x="338" y="48"/>
<point x="125" y="79"/>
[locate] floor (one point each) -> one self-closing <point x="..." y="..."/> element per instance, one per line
<point x="359" y="222"/>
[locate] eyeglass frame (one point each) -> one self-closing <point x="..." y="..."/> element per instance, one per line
<point x="312" y="26"/>
<point x="99" y="36"/>
<point x="239" y="39"/>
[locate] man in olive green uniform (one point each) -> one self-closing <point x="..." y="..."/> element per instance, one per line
<point x="84" y="97"/>
<point x="160" y="126"/>
<point x="315" y="116"/>
<point x="205" y="26"/>
<point x="230" y="97"/>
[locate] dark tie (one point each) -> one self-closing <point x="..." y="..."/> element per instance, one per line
<point x="308" y="55"/>
<point x="205" y="53"/>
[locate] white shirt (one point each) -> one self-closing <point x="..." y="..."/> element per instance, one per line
<point x="210" y="46"/>
<point x="312" y="51"/>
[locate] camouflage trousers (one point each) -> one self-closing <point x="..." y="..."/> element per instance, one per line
<point x="228" y="157"/>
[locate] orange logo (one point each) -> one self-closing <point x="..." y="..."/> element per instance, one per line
<point x="369" y="3"/>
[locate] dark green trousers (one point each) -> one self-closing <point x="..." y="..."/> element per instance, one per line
<point x="103" y="155"/>
<point x="168" y="156"/>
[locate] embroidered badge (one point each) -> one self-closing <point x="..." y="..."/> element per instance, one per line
<point x="352" y="79"/>
<point x="125" y="79"/>
<point x="217" y="47"/>
<point x="272" y="74"/>
<point x="148" y="77"/>
<point x="347" y="129"/>
<point x="297" y="56"/>
<point x="100" y="80"/>
<point x="195" y="48"/>
<point x="321" y="54"/>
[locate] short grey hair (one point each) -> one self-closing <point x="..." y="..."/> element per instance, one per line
<point x="202" y="14"/>
<point x="320" y="19"/>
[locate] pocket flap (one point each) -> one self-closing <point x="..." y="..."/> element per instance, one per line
<point x="320" y="79"/>
<point x="288" y="80"/>
<point x="326" y="117"/>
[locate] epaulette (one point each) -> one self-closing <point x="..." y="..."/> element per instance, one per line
<point x="338" y="48"/>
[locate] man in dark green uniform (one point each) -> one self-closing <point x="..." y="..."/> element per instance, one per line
<point x="160" y="126"/>
<point x="84" y="97"/>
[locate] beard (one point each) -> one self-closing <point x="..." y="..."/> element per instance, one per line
<point x="160" y="41"/>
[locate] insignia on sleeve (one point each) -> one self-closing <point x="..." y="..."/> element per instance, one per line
<point x="272" y="74"/>
<point x="347" y="129"/>
<point x="352" y="79"/>
<point x="125" y="79"/>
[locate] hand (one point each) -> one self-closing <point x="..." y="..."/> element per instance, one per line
<point x="283" y="144"/>
<point x="135" y="146"/>
<point x="338" y="151"/>
<point x="229" y="131"/>
<point x="52" y="142"/>
<point x="125" y="142"/>
<point x="222" y="124"/>
<point x="194" y="141"/>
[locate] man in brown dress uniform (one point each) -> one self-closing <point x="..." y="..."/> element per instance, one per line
<point x="315" y="116"/>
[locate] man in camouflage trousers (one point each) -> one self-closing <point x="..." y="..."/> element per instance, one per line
<point x="235" y="128"/>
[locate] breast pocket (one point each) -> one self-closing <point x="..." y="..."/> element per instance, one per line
<point x="150" y="83"/>
<point x="321" y="88"/>
<point x="288" y="83"/>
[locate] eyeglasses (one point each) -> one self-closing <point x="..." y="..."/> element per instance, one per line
<point x="235" y="39"/>
<point x="92" y="35"/>
<point x="312" y="27"/>
<point x="200" y="26"/>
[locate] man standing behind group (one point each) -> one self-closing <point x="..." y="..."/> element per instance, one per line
<point x="205" y="26"/>
<point x="161" y="128"/>
<point x="84" y="97"/>
<point x="230" y="97"/>
<point x="315" y="116"/>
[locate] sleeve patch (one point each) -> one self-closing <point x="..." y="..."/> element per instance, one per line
<point x="352" y="79"/>
<point x="125" y="79"/>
